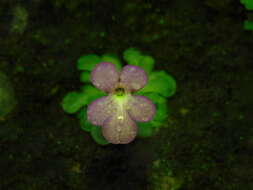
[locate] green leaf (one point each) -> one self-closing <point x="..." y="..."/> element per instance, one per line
<point x="248" y="4"/>
<point x="85" y="76"/>
<point x="155" y="97"/>
<point x="84" y="123"/>
<point x="248" y="25"/>
<point x="112" y="58"/>
<point x="96" y="133"/>
<point x="132" y="56"/>
<point x="146" y="63"/>
<point x="145" y="130"/>
<point x="87" y="126"/>
<point x="162" y="111"/>
<point x="160" y="82"/>
<point x="87" y="62"/>
<point x="92" y="93"/>
<point x="73" y="101"/>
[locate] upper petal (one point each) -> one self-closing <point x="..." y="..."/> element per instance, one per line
<point x="100" y="110"/>
<point x="133" y="78"/>
<point x="105" y="76"/>
<point x="119" y="129"/>
<point x="141" y="108"/>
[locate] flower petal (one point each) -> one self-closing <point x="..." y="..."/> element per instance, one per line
<point x="141" y="108"/>
<point x="133" y="78"/>
<point x="105" y="76"/>
<point x="119" y="129"/>
<point x="100" y="110"/>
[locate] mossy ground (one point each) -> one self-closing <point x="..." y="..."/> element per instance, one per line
<point x="205" y="144"/>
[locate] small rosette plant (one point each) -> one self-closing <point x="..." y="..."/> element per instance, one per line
<point x="248" y="24"/>
<point x="117" y="104"/>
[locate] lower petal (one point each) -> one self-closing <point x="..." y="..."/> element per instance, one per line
<point x="100" y="109"/>
<point x="141" y="108"/>
<point x="119" y="129"/>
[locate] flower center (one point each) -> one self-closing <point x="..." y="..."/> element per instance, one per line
<point x="119" y="91"/>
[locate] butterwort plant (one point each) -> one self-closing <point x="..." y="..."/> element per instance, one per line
<point x="118" y="111"/>
<point x="117" y="104"/>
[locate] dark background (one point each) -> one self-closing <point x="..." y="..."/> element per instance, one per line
<point x="205" y="144"/>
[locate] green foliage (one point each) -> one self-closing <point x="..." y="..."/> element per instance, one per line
<point x="82" y="116"/>
<point x="161" y="83"/>
<point x="19" y="20"/>
<point x="160" y="86"/>
<point x="149" y="128"/>
<point x="248" y="4"/>
<point x="7" y="96"/>
<point x="95" y="131"/>
<point x="91" y="92"/>
<point x="97" y="135"/>
<point x="77" y="102"/>
<point x="87" y="62"/>
<point x="134" y="57"/>
<point x="85" y="77"/>
<point x="145" y="130"/>
<point x="108" y="57"/>
<point x="248" y="24"/>
<point x="73" y="101"/>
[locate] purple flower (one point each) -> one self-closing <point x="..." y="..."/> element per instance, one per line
<point x="118" y="112"/>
